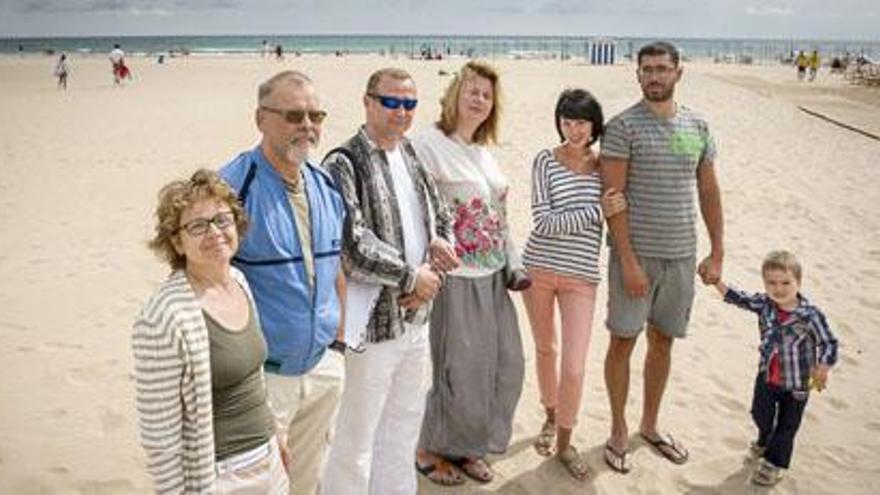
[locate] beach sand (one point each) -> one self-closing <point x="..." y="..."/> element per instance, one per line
<point x="79" y="174"/>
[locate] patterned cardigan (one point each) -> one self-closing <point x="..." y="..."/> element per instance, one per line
<point x="373" y="245"/>
<point x="172" y="374"/>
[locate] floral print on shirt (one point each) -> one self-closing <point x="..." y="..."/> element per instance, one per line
<point x="479" y="232"/>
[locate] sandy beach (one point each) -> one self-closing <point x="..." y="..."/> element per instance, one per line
<point x="79" y="173"/>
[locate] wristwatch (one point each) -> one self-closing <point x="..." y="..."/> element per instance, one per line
<point x="338" y="346"/>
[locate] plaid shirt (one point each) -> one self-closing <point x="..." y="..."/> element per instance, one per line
<point x="802" y="340"/>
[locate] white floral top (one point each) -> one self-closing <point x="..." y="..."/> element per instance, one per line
<point x="475" y="189"/>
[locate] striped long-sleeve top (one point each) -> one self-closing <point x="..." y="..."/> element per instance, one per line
<point x="172" y="374"/>
<point x="566" y="220"/>
<point x="802" y="340"/>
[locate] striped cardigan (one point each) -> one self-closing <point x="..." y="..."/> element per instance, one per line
<point x="172" y="374"/>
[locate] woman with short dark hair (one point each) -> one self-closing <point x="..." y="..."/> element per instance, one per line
<point x="562" y="258"/>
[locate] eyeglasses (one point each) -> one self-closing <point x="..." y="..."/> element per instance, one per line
<point x="298" y="116"/>
<point x="393" y="102"/>
<point x="659" y="71"/>
<point x="200" y="226"/>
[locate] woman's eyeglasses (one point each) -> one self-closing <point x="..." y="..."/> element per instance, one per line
<point x="298" y="116"/>
<point x="393" y="102"/>
<point x="200" y="226"/>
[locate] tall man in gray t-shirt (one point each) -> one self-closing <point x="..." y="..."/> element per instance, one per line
<point x="658" y="153"/>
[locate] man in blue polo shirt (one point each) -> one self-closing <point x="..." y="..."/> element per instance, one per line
<point x="291" y="258"/>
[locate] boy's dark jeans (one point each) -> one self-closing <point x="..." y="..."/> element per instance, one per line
<point x="777" y="414"/>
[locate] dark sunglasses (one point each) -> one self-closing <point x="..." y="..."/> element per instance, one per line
<point x="393" y="102"/>
<point x="298" y="116"/>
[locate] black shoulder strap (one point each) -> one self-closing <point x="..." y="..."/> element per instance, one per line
<point x="246" y="185"/>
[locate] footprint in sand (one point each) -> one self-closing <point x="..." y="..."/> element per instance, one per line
<point x="81" y="376"/>
<point x="111" y="420"/>
<point x="733" y="443"/>
<point x="25" y="348"/>
<point x="873" y="426"/>
<point x="868" y="303"/>
<point x="59" y="470"/>
<point x="869" y="273"/>
<point x="728" y="403"/>
<point x="838" y="404"/>
<point x="58" y="413"/>
<point x="105" y="487"/>
<point x="64" y="345"/>
<point x="849" y="361"/>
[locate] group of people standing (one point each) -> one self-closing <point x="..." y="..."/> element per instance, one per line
<point x="301" y="289"/>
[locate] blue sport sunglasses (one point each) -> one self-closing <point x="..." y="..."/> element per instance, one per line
<point x="393" y="102"/>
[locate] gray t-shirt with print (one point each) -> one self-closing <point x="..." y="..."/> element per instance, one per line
<point x="663" y="156"/>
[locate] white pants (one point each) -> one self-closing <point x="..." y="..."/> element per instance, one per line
<point x="377" y="429"/>
<point x="258" y="471"/>
<point x="305" y="408"/>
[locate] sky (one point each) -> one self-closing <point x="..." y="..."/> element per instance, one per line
<point x="809" y="19"/>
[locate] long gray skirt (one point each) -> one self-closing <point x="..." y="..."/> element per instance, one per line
<point x="478" y="368"/>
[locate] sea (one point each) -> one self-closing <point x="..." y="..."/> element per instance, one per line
<point x="437" y="46"/>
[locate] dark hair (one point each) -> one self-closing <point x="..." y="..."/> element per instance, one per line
<point x="579" y="104"/>
<point x="659" y="48"/>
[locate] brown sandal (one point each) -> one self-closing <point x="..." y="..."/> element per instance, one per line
<point x="546" y="442"/>
<point x="441" y="472"/>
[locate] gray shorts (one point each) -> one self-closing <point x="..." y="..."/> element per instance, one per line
<point x="667" y="307"/>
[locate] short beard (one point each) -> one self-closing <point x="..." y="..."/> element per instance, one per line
<point x="661" y="97"/>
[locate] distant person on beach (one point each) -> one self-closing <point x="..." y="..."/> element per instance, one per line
<point x="797" y="351"/>
<point x="62" y="71"/>
<point x="814" y="64"/>
<point x="476" y="347"/>
<point x="279" y="53"/>
<point x="397" y="247"/>
<point x="562" y="258"/>
<point x="198" y="353"/>
<point x="20" y="50"/>
<point x="117" y="61"/>
<point x="801" y="62"/>
<point x="658" y="153"/>
<point x="291" y="258"/>
<point x="265" y="52"/>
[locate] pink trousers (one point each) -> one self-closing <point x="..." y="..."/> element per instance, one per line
<point x="560" y="389"/>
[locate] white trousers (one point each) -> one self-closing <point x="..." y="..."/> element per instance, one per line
<point x="258" y="471"/>
<point x="380" y="416"/>
<point x="305" y="408"/>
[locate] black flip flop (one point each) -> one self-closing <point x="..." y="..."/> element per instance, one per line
<point x="619" y="463"/>
<point x="666" y="446"/>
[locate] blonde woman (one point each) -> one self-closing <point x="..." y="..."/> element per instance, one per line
<point x="475" y="341"/>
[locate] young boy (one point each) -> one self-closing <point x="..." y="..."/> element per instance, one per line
<point x="797" y="350"/>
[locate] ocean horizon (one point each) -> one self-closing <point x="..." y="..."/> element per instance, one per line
<point x="759" y="49"/>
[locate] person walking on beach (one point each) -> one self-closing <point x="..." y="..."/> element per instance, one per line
<point x="801" y="62"/>
<point x="62" y="71"/>
<point x="397" y="238"/>
<point x="797" y="349"/>
<point x="117" y="62"/>
<point x="476" y="348"/>
<point x="562" y="258"/>
<point x="814" y="64"/>
<point x="198" y="353"/>
<point x="658" y="153"/>
<point x="291" y="258"/>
